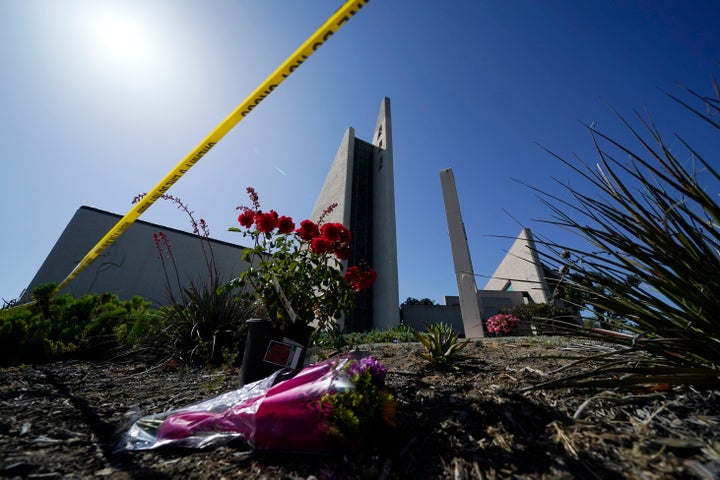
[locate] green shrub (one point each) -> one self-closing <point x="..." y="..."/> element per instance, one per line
<point x="62" y="326"/>
<point x="396" y="334"/>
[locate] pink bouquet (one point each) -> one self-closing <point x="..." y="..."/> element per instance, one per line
<point x="327" y="406"/>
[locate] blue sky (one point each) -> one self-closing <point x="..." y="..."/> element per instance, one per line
<point x="99" y="100"/>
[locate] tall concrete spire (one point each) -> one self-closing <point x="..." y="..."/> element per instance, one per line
<point x="361" y="182"/>
<point x="467" y="289"/>
<point x="386" y="300"/>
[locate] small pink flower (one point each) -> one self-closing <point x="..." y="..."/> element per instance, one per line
<point x="502" y="323"/>
<point x="253" y="197"/>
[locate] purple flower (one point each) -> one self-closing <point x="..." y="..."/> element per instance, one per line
<point x="377" y="370"/>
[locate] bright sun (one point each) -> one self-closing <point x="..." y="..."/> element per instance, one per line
<point x="121" y="41"/>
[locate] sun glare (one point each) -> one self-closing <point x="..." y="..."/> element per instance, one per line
<point x="122" y="42"/>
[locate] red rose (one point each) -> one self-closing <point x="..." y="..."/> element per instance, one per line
<point x="343" y="253"/>
<point x="266" y="222"/>
<point x="285" y="224"/>
<point x="345" y="236"/>
<point x="360" y="279"/>
<point x="368" y="278"/>
<point x="331" y="231"/>
<point x="320" y="245"/>
<point x="308" y="230"/>
<point x="352" y="276"/>
<point x="246" y="218"/>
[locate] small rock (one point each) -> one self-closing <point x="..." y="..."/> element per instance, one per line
<point x="18" y="469"/>
<point x="65" y="434"/>
<point x="45" y="475"/>
<point x="46" y="439"/>
<point x="25" y="428"/>
<point x="105" y="472"/>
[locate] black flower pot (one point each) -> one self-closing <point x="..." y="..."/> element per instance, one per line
<point x="269" y="349"/>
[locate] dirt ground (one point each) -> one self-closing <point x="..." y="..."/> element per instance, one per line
<point x="65" y="420"/>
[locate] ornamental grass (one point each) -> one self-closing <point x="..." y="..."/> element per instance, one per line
<point x="650" y="270"/>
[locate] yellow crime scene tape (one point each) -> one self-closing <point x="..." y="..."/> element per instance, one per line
<point x="333" y="24"/>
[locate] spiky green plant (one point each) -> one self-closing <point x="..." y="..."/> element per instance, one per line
<point x="442" y="344"/>
<point x="210" y="327"/>
<point x="652" y="221"/>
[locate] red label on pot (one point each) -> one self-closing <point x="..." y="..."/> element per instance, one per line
<point x="283" y="354"/>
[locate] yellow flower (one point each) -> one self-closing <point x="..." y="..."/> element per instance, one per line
<point x="389" y="411"/>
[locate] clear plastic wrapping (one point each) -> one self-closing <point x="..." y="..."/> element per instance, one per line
<point x="324" y="408"/>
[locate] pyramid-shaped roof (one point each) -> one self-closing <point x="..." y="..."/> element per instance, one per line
<point x="521" y="270"/>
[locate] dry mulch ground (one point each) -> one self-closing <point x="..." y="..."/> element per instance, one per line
<point x="64" y="420"/>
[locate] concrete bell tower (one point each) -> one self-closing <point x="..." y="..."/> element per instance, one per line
<point x="361" y="181"/>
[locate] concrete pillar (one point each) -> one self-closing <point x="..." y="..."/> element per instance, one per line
<point x="467" y="289"/>
<point x="386" y="301"/>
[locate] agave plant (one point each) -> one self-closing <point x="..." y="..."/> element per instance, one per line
<point x="652" y="223"/>
<point x="442" y="344"/>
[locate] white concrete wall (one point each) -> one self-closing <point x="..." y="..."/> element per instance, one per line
<point x="416" y="316"/>
<point x="130" y="266"/>
<point x="337" y="183"/>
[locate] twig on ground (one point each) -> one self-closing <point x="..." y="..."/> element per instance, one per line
<point x="615" y="398"/>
